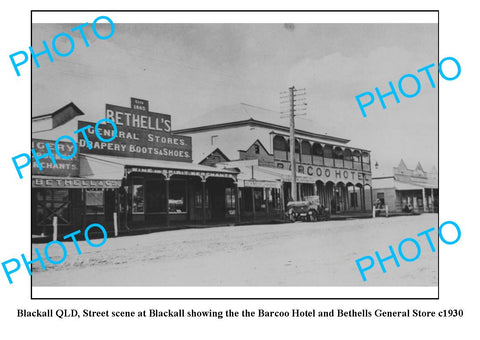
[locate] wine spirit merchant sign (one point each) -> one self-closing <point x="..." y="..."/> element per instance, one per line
<point x="141" y="134"/>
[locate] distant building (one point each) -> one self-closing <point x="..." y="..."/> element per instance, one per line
<point x="404" y="189"/>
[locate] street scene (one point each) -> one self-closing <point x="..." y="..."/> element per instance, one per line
<point x="236" y="156"/>
<point x="291" y="254"/>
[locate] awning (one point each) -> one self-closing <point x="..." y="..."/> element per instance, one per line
<point x="260" y="179"/>
<point x="267" y="177"/>
<point x="400" y="186"/>
<point x="118" y="167"/>
<point x="286" y="175"/>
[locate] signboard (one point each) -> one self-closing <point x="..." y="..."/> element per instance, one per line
<point x="136" y="143"/>
<point x="251" y="183"/>
<point x="141" y="134"/>
<point x="64" y="167"/>
<point x="75" y="183"/>
<point x="171" y="172"/>
<point x="128" y="119"/>
<point x="326" y="174"/>
<point x="139" y="104"/>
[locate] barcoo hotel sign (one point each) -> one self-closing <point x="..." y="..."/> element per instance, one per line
<point x="141" y="134"/>
<point x="326" y="174"/>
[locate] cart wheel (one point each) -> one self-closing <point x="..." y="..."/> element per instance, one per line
<point x="312" y="216"/>
<point x="291" y="216"/>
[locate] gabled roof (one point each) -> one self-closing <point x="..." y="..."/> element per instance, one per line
<point x="62" y="115"/>
<point x="216" y="150"/>
<point x="260" y="143"/>
<point x="402" y="165"/>
<point x="419" y="167"/>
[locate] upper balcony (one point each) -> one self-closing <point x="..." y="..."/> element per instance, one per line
<point x="315" y="153"/>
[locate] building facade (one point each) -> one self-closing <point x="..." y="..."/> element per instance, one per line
<point x="144" y="178"/>
<point x="251" y="139"/>
<point x="406" y="190"/>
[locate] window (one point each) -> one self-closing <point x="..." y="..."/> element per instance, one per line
<point x="138" y="199"/>
<point x="94" y="202"/>
<point x="177" y="200"/>
<point x="52" y="202"/>
<point x="230" y="198"/>
<point x="257" y="148"/>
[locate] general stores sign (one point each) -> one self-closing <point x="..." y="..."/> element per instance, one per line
<point x="141" y="134"/>
<point x="63" y="167"/>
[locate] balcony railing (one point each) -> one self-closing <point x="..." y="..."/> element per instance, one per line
<point x="317" y="160"/>
<point x="328" y="161"/>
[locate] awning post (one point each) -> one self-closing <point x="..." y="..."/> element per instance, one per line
<point x="204" y="213"/>
<point x="167" y="203"/>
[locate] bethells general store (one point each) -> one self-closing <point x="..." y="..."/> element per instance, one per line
<point x="231" y="167"/>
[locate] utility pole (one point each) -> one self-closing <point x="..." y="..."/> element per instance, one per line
<point x="295" y="105"/>
<point x="293" y="161"/>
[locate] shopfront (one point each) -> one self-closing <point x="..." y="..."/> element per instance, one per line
<point x="144" y="178"/>
<point x="74" y="201"/>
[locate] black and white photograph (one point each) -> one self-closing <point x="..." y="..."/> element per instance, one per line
<point x="190" y="171"/>
<point x="227" y="170"/>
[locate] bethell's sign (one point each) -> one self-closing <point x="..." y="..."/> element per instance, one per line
<point x="75" y="183"/>
<point x="141" y="134"/>
<point x="326" y="174"/>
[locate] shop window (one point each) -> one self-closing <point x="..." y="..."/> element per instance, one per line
<point x="177" y="200"/>
<point x="138" y="197"/>
<point x="51" y="202"/>
<point x="230" y="198"/>
<point x="94" y="202"/>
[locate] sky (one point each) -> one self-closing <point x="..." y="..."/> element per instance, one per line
<point x="187" y="70"/>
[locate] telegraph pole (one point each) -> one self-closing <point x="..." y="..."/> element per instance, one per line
<point x="295" y="104"/>
<point x="293" y="161"/>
